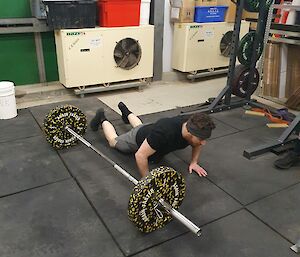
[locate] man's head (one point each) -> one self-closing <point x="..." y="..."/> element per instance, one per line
<point x="200" y="126"/>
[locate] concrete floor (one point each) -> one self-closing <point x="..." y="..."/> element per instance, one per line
<point x="159" y="96"/>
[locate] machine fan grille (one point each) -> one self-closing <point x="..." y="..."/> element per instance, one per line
<point x="225" y="45"/>
<point x="127" y="53"/>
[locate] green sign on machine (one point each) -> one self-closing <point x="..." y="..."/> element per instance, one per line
<point x="75" y="33"/>
<point x="195" y="27"/>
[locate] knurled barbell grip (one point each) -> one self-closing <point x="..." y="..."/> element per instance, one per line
<point x="177" y="215"/>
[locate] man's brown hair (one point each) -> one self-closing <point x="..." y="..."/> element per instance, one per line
<point x="200" y="125"/>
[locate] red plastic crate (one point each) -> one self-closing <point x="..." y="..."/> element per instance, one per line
<point x="119" y="13"/>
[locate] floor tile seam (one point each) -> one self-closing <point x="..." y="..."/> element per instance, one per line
<point x="229" y="134"/>
<point x="185" y="233"/>
<point x="223" y="190"/>
<point x="226" y="124"/>
<point x="33" y="188"/>
<point x="21" y="138"/>
<point x="158" y="244"/>
<point x="41" y="128"/>
<point x="269" y="226"/>
<point x="272" y="194"/>
<point x="92" y="205"/>
<point x="240" y="130"/>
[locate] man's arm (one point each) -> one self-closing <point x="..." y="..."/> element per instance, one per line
<point x="141" y="157"/>
<point x="196" y="150"/>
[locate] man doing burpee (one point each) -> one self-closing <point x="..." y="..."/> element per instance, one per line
<point x="150" y="142"/>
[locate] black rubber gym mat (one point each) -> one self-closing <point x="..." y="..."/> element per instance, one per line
<point x="246" y="180"/>
<point x="28" y="163"/>
<point x="238" y="119"/>
<point x="88" y="106"/>
<point x="22" y="126"/>
<point x="57" y="220"/>
<point x="53" y="221"/>
<point x="237" y="235"/>
<point x="281" y="211"/>
<point x="109" y="192"/>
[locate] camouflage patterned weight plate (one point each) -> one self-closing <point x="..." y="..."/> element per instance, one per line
<point x="253" y="5"/>
<point x="56" y="121"/>
<point x="143" y="208"/>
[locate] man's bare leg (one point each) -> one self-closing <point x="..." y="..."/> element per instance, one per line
<point x="134" y="120"/>
<point x="109" y="133"/>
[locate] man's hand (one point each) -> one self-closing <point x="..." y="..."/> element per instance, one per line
<point x="198" y="169"/>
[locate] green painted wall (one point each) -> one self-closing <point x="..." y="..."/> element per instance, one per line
<point x="50" y="56"/>
<point x="18" y="61"/>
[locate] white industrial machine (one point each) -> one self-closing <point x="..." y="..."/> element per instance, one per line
<point x="203" y="46"/>
<point x="104" y="55"/>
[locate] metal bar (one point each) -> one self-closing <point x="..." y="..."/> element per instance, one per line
<point x="218" y="108"/>
<point x="287" y="6"/>
<point x="284" y="32"/>
<point x="17" y="21"/>
<point x="259" y="37"/>
<point x="186" y="222"/>
<point x="266" y="38"/>
<point x="234" y="49"/>
<point x="27" y="29"/>
<point x="285" y="27"/>
<point x="296" y="247"/>
<point x="287" y="132"/>
<point x="40" y="57"/>
<point x="176" y="214"/>
<point x="93" y="89"/>
<point x="158" y="22"/>
<point x="219" y="98"/>
<point x="207" y="73"/>
<point x="286" y="41"/>
<point x="22" y="25"/>
<point x="255" y="151"/>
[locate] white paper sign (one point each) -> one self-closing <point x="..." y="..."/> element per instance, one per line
<point x="175" y="13"/>
<point x="96" y="42"/>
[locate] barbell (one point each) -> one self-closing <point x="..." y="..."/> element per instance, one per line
<point x="155" y="198"/>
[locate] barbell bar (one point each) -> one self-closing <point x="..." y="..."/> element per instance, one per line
<point x="176" y="214"/>
<point x="61" y="116"/>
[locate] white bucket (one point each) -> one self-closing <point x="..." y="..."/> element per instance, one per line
<point x="8" y="106"/>
<point x="145" y="12"/>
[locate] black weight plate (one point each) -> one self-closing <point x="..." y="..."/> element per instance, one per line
<point x="254" y="5"/>
<point x="240" y="81"/>
<point x="57" y="120"/>
<point x="143" y="208"/>
<point x="246" y="48"/>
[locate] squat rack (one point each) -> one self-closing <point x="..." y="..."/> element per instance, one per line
<point x="219" y="104"/>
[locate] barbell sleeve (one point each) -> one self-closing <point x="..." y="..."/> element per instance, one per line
<point x="175" y="214"/>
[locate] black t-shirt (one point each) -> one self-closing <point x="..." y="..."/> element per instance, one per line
<point x="164" y="136"/>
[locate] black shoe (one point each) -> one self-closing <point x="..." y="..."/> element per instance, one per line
<point x="125" y="112"/>
<point x="98" y="119"/>
<point x="289" y="160"/>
